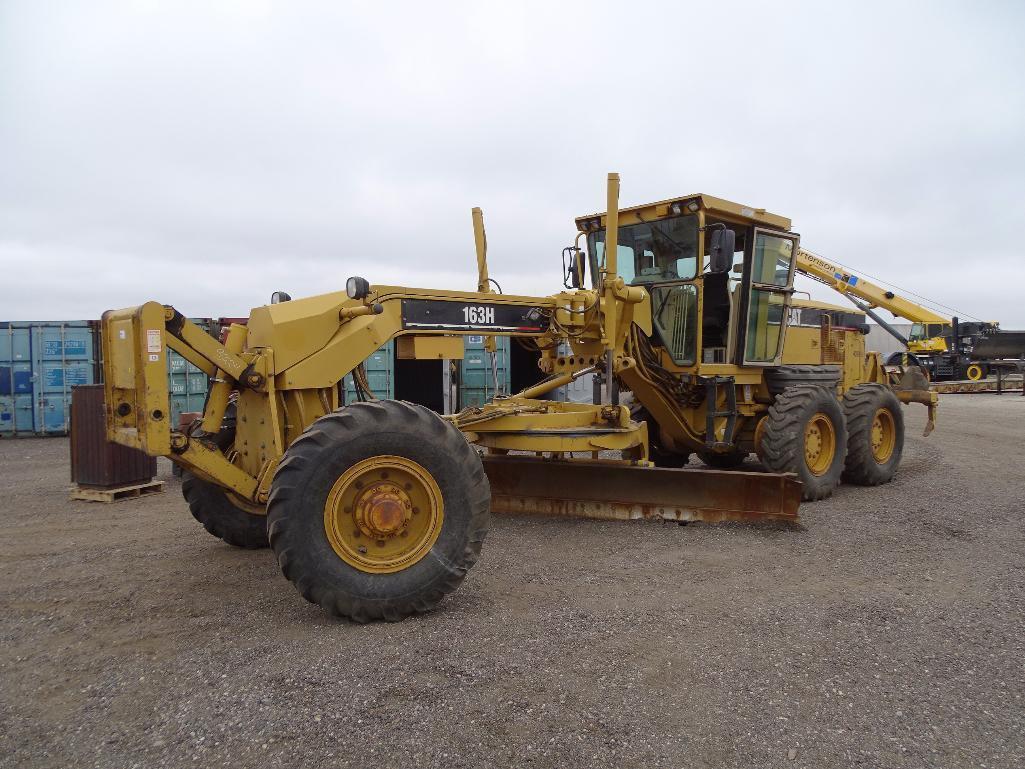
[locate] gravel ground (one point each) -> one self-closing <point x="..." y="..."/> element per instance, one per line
<point x="886" y="631"/>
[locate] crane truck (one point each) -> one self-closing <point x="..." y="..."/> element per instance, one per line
<point x="944" y="347"/>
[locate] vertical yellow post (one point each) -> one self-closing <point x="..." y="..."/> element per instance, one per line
<point x="480" y="242"/>
<point x="611" y="252"/>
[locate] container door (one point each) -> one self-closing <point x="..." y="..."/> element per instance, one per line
<point x="62" y="356"/>
<point x="15" y="380"/>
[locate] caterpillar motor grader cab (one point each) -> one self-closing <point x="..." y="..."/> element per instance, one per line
<point x="377" y="509"/>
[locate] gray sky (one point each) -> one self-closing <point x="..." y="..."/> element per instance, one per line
<point x="206" y="154"/>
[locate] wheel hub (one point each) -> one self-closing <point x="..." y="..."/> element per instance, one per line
<point x="819" y="444"/>
<point x="383" y="514"/>
<point x="883" y="436"/>
<point x="383" y="511"/>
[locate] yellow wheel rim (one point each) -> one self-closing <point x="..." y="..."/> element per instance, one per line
<point x="884" y="435"/>
<point x="383" y="514"/>
<point x="819" y="443"/>
<point x="975" y="372"/>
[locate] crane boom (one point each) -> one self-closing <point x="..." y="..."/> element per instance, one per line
<point x="868" y="293"/>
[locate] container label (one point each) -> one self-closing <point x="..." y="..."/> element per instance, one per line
<point x="52" y="348"/>
<point x="71" y="376"/>
<point x="153" y="340"/>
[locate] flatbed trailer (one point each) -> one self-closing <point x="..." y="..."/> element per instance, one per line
<point x="996" y="384"/>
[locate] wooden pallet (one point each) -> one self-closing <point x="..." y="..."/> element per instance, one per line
<point x="118" y="494"/>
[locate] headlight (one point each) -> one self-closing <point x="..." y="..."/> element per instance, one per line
<point x="357" y="287"/>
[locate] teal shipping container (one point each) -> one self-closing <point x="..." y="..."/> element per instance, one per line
<point x="477" y="376"/>
<point x="380" y="375"/>
<point x="39" y="364"/>
<point x="186" y="384"/>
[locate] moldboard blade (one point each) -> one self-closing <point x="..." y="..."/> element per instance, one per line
<point x="615" y="491"/>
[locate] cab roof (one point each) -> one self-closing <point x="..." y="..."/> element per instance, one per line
<point x="716" y="207"/>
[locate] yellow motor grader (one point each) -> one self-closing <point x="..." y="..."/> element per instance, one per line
<point x="376" y="509"/>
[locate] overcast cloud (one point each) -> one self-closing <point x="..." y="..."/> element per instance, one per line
<point x="206" y="154"/>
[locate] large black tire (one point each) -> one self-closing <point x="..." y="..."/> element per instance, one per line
<point x="783" y="445"/>
<point x="872" y="410"/>
<point x="779" y="378"/>
<point x="728" y="461"/>
<point x="321" y="456"/>
<point x="213" y="508"/>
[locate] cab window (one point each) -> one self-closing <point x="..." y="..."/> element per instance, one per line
<point x="651" y="252"/>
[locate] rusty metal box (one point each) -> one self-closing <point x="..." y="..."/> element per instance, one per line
<point x="95" y="462"/>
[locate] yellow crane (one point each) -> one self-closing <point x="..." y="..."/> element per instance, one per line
<point x="942" y="345"/>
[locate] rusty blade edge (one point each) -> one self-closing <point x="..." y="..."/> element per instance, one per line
<point x="617" y="511"/>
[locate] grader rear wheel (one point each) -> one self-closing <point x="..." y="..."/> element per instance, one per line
<point x="378" y="510"/>
<point x="875" y="442"/>
<point x="805" y="433"/>
<point x="223" y="515"/>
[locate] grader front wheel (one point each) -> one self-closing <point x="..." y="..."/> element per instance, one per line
<point x="805" y="433"/>
<point x="223" y="515"/>
<point x="378" y="510"/>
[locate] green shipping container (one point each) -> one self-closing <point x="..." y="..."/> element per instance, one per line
<point x="186" y="384"/>
<point x="477" y="374"/>
<point x="380" y="375"/>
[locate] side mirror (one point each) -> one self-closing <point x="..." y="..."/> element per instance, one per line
<point x="573" y="265"/>
<point x="724" y="243"/>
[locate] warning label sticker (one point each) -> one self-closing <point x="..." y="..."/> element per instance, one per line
<point x="153" y="340"/>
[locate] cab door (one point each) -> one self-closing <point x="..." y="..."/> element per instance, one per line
<point x="770" y="287"/>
